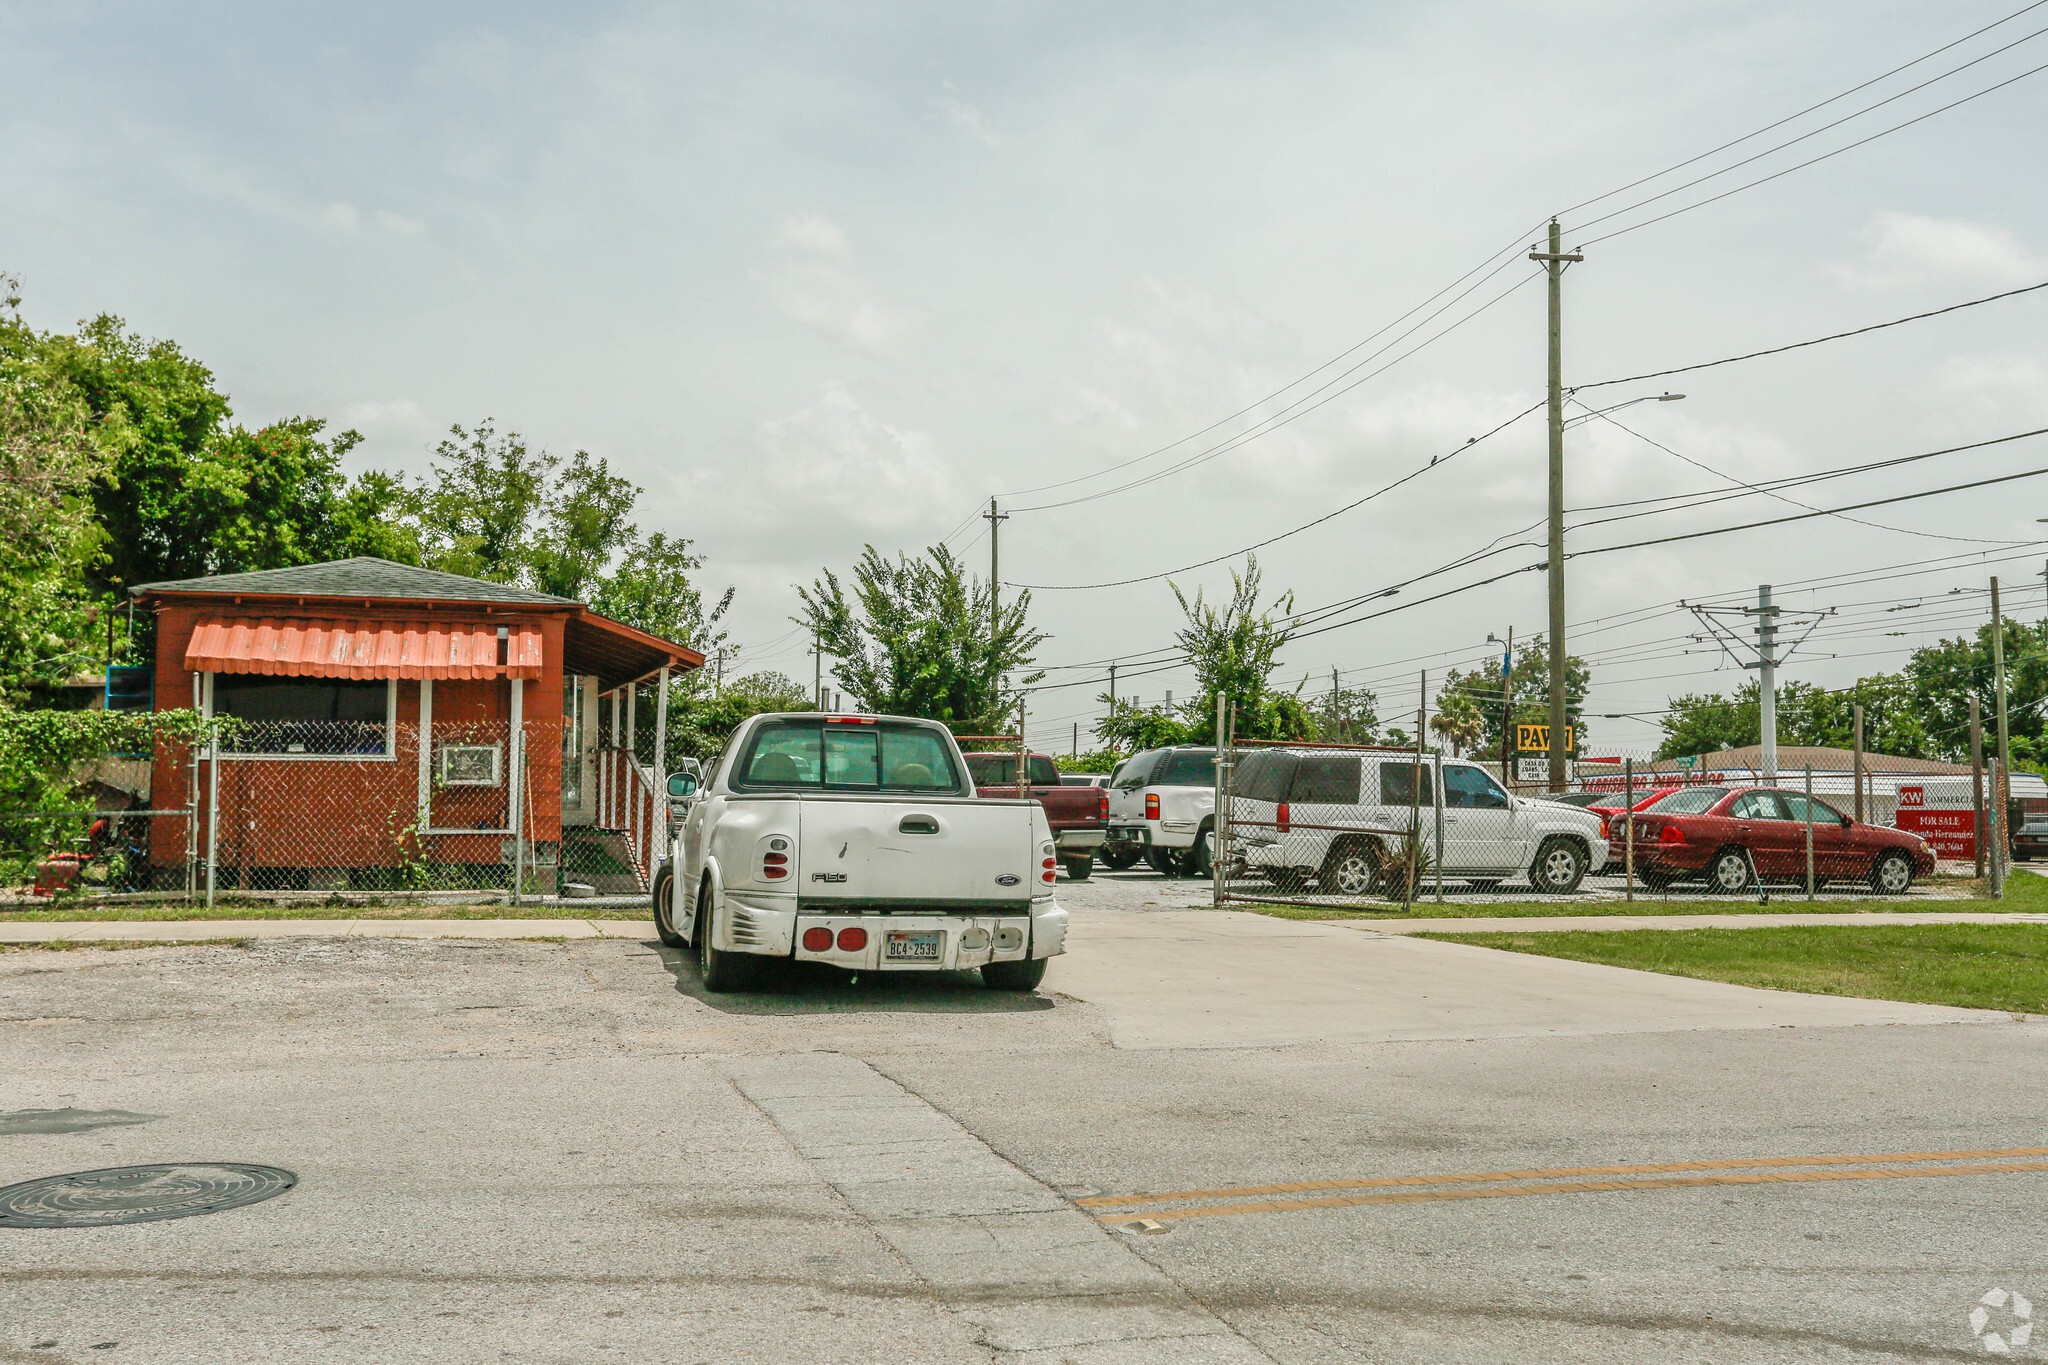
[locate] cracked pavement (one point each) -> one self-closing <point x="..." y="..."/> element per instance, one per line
<point x="569" y="1153"/>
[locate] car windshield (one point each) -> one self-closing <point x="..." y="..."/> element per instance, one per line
<point x="1690" y="801"/>
<point x="788" y="755"/>
<point x="1578" y="798"/>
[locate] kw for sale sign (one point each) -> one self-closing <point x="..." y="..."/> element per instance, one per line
<point x="1943" y="815"/>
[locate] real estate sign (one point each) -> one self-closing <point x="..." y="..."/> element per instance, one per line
<point x="1943" y="814"/>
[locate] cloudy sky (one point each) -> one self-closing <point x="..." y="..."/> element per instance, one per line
<point x="820" y="275"/>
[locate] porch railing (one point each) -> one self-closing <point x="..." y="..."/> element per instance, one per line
<point x="628" y="800"/>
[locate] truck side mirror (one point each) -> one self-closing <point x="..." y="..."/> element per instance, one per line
<point x="681" y="786"/>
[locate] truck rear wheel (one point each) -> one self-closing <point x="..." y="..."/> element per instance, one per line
<point x="721" y="972"/>
<point x="1079" y="869"/>
<point x="1014" y="976"/>
<point x="1120" y="859"/>
<point x="664" y="894"/>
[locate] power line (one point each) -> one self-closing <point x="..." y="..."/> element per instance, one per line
<point x="1775" y="175"/>
<point x="1289" y="414"/>
<point x="1807" y="516"/>
<point x="1772" y="493"/>
<point x="1811" y="108"/>
<point x="1798" y="345"/>
<point x="1385" y="488"/>
<point x="1758" y="156"/>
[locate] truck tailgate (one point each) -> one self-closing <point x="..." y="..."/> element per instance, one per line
<point x="943" y="852"/>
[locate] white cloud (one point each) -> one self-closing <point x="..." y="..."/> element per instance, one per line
<point x="398" y="223"/>
<point x="1903" y="249"/>
<point x="833" y="463"/>
<point x="815" y="284"/>
<point x="966" y="118"/>
<point x="809" y="232"/>
<point x="341" y="217"/>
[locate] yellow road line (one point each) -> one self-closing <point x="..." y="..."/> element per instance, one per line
<point x="1110" y="1200"/>
<point x="1583" y="1187"/>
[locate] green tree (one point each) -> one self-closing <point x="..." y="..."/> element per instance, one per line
<point x="49" y="538"/>
<point x="1127" y="727"/>
<point x="1943" y="677"/>
<point x="1234" y="649"/>
<point x="1702" y="723"/>
<point x="478" y="507"/>
<point x="914" y="639"/>
<point x="1347" y="715"/>
<point x="1530" y="692"/>
<point x="1458" y="723"/>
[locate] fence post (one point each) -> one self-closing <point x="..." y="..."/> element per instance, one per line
<point x="1218" y="812"/>
<point x="1437" y="790"/>
<point x="1978" y="833"/>
<point x="212" y="812"/>
<point x="515" y="755"/>
<point x="1858" y="777"/>
<point x="1809" y="831"/>
<point x="1628" y="817"/>
<point x="1415" y="800"/>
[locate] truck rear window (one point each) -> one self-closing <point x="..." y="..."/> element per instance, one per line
<point x="798" y="754"/>
<point x="1000" y="770"/>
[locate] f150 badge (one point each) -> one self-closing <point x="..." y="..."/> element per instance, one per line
<point x="1008" y="879"/>
<point x="828" y="876"/>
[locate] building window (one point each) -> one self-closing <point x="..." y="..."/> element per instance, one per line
<point x="286" y="717"/>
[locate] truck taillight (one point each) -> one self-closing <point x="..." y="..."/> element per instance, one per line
<point x="853" y="940"/>
<point x="1047" y="866"/>
<point x="817" y="939"/>
<point x="1280" y="818"/>
<point x="1606" y="831"/>
<point x="774" y="866"/>
<point x="1102" y="806"/>
<point x="1151" y="805"/>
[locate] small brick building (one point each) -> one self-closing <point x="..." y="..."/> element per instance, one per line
<point x="400" y="727"/>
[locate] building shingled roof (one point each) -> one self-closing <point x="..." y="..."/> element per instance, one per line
<point x="364" y="576"/>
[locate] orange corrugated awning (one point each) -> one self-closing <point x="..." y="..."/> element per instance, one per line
<point x="360" y="649"/>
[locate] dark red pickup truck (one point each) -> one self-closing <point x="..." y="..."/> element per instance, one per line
<point x="1079" y="816"/>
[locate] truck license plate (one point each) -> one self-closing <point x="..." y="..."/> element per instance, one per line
<point x="918" y="947"/>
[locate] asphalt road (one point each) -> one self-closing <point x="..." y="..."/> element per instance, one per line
<point x="569" y="1153"/>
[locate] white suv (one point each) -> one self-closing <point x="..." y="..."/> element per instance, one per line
<point x="1334" y="817"/>
<point x="1162" y="805"/>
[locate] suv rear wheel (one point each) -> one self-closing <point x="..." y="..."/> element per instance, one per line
<point x="1014" y="976"/>
<point x="1349" y="870"/>
<point x="1079" y="869"/>
<point x="1120" y="859"/>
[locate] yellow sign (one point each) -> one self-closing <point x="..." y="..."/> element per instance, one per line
<point x="1536" y="738"/>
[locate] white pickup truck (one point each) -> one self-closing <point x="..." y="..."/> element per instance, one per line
<point x="857" y="841"/>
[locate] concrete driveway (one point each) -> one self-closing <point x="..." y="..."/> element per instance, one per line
<point x="1211" y="1138"/>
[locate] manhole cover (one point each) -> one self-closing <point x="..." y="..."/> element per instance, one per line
<point x="138" y="1194"/>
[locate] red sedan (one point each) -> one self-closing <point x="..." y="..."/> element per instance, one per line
<point x="1731" y="837"/>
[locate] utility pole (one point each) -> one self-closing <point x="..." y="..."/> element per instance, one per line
<point x="1507" y="708"/>
<point x="1979" y="835"/>
<point x="1333" y="704"/>
<point x="1554" y="262"/>
<point x="1767" y="682"/>
<point x="2001" y="778"/>
<point x="817" y="670"/>
<point x="995" y="522"/>
<point x="1857" y="770"/>
<point x="1112" y="687"/>
<point x="1768" y="657"/>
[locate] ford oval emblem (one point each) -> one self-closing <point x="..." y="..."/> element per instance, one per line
<point x="1008" y="879"/>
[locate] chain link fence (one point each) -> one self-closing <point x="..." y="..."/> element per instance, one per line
<point x="1335" y="826"/>
<point x="286" y="810"/>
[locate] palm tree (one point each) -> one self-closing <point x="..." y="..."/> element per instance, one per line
<point x="1459" y="724"/>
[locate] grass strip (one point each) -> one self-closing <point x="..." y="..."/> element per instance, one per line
<point x="1977" y="966"/>
<point x="2024" y="893"/>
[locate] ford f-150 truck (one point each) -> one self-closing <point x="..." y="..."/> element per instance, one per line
<point x="856" y="841"/>
<point x="1077" y="814"/>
